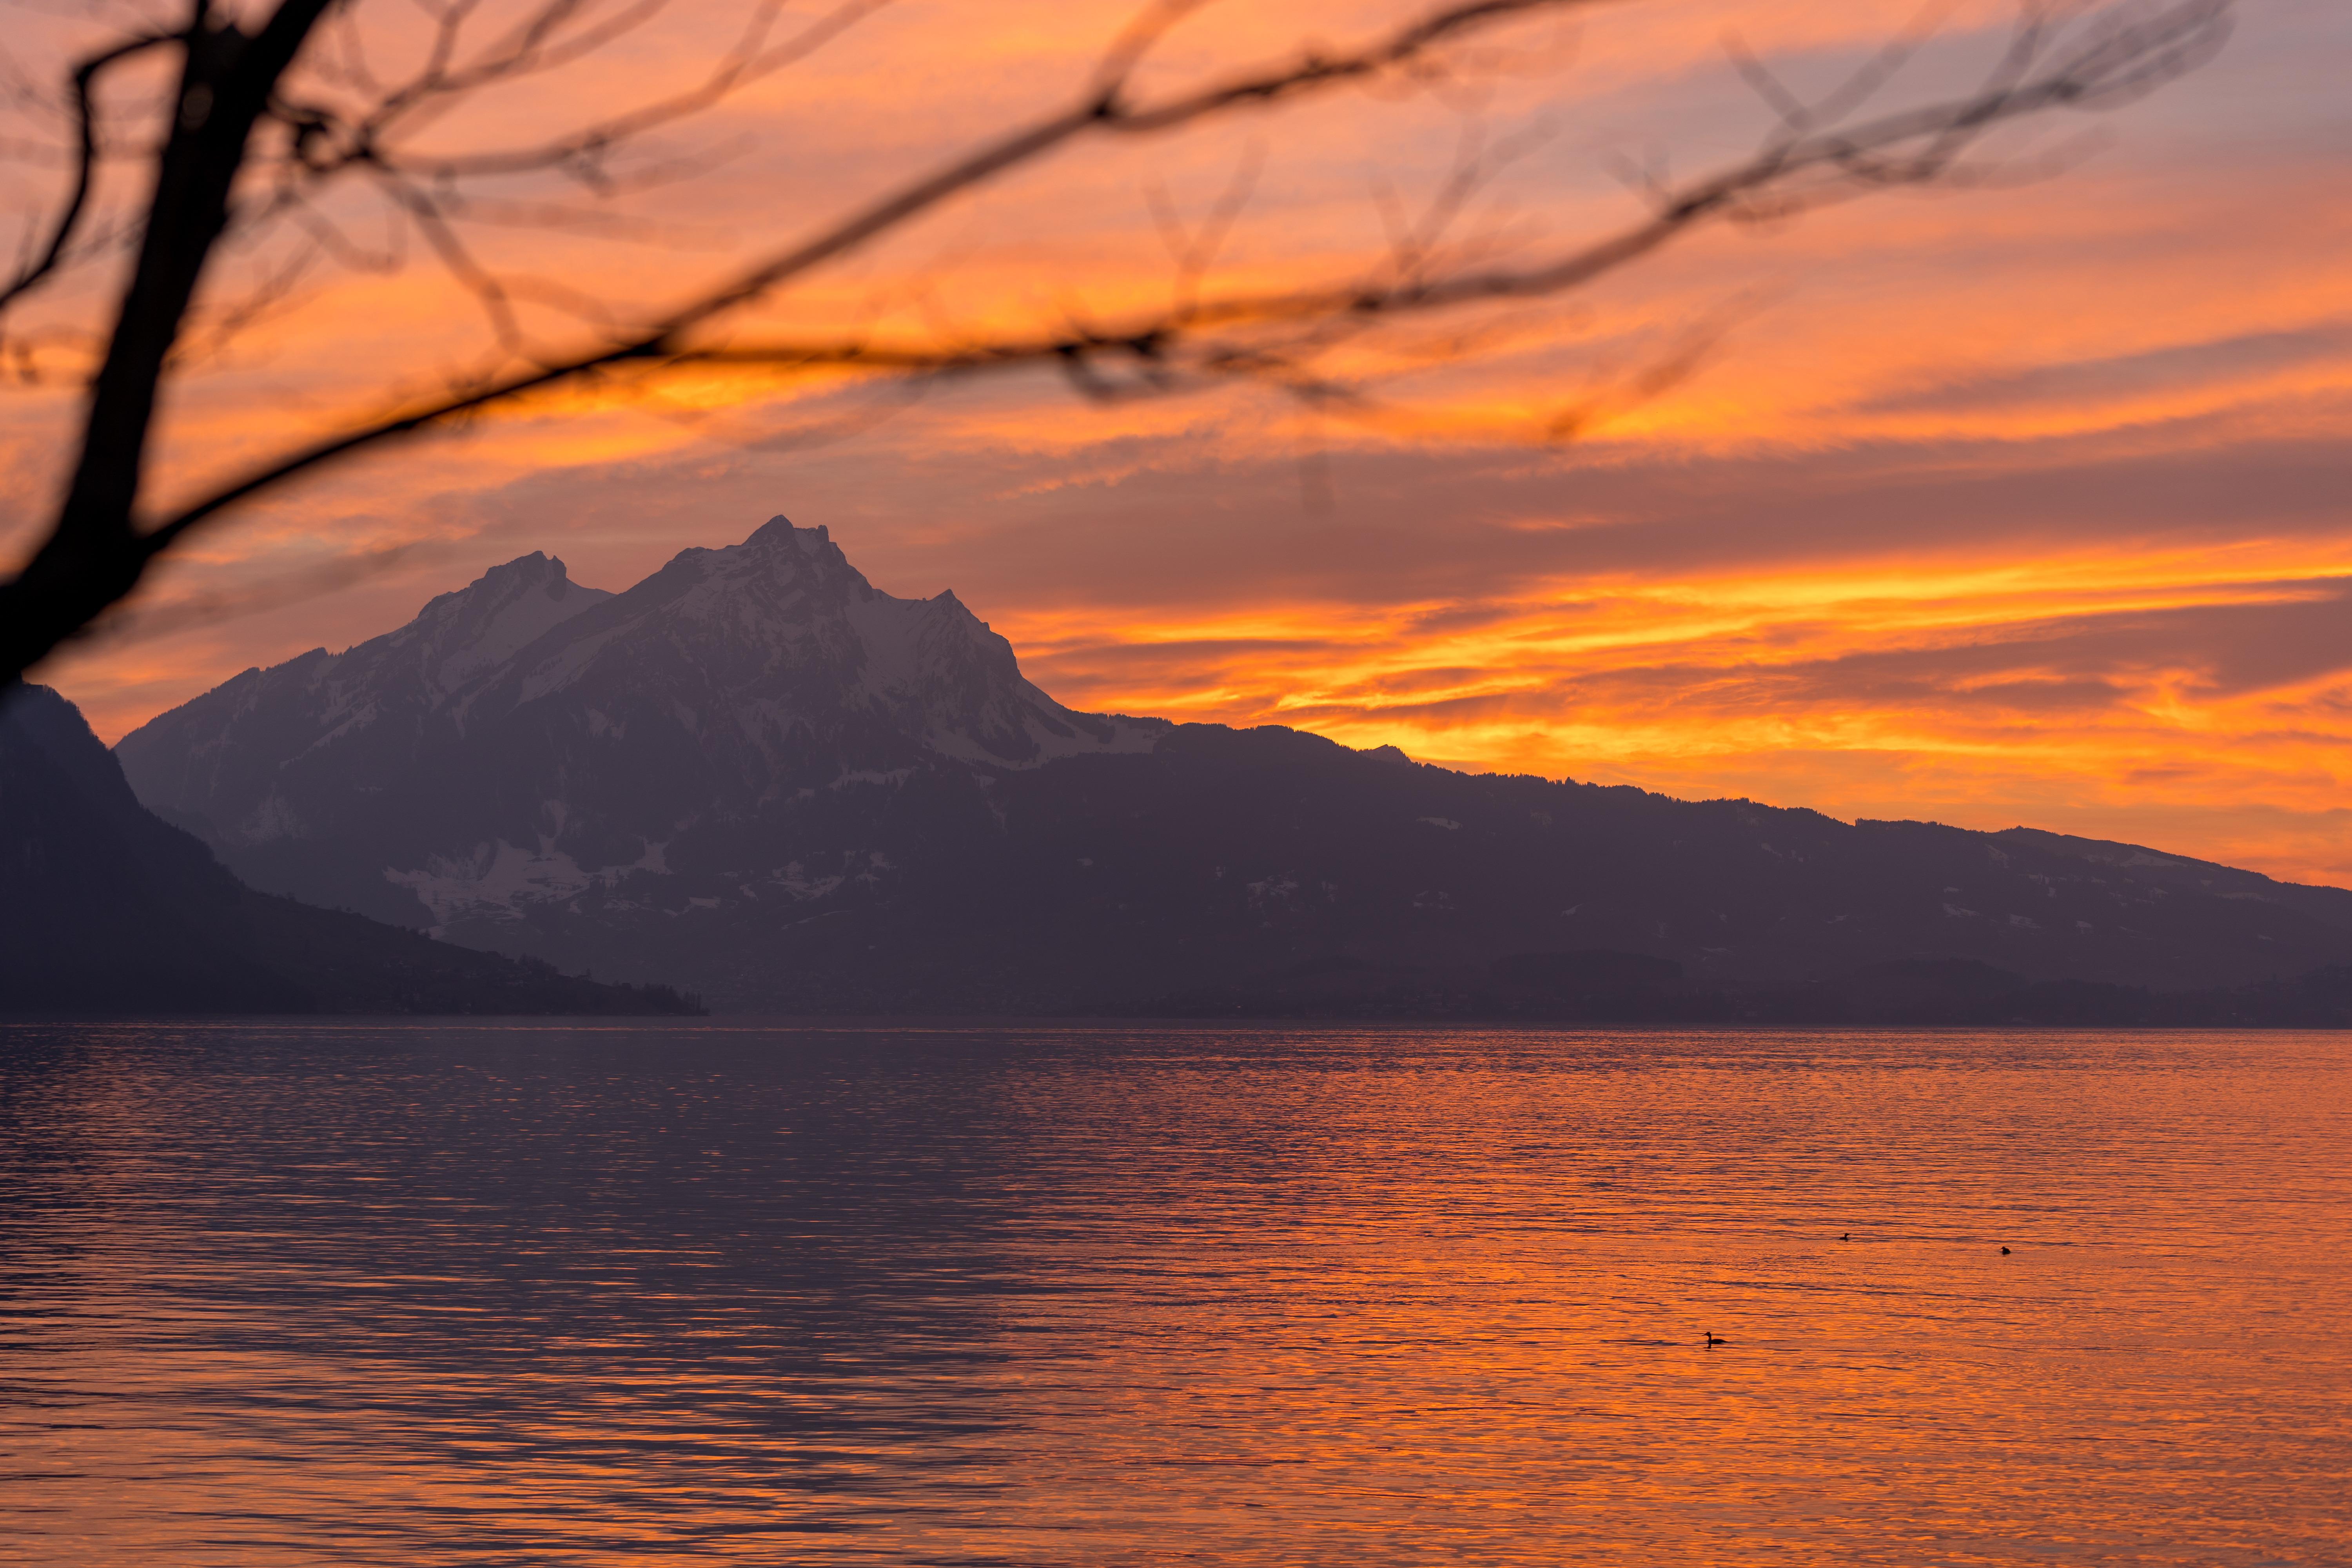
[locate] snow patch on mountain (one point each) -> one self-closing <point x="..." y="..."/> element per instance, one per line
<point x="1044" y="745"/>
<point x="273" y="818"/>
<point x="490" y="883"/>
<point x="498" y="879"/>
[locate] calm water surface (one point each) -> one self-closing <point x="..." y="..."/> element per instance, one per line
<point x="515" y="1292"/>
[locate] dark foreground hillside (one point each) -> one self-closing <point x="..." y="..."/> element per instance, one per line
<point x="106" y="910"/>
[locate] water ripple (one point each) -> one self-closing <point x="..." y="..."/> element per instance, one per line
<point x="532" y="1293"/>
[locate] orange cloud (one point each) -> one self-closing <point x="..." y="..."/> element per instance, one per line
<point x="2021" y="504"/>
<point x="2085" y="691"/>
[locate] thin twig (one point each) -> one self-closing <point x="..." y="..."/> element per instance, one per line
<point x="85" y="78"/>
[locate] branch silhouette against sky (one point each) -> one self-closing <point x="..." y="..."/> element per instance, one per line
<point x="266" y="110"/>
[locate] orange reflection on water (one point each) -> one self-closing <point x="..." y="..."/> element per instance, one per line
<point x="535" y="1292"/>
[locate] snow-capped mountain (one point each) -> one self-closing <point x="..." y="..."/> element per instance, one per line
<point x="321" y="727"/>
<point x="525" y="741"/>
<point x="755" y="776"/>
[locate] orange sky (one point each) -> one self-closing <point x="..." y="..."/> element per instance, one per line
<point x="2015" y="505"/>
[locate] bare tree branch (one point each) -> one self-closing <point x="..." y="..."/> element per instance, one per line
<point x="750" y="61"/>
<point x="1857" y="158"/>
<point x="85" y="77"/>
<point x="1102" y="110"/>
<point x="1280" y="338"/>
<point x="94" y="554"/>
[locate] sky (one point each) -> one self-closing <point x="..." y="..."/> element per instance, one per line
<point x="2021" y="501"/>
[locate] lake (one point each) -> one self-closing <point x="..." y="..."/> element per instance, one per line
<point x="531" y="1291"/>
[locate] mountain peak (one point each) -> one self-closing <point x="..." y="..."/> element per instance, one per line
<point x="460" y="634"/>
<point x="524" y="738"/>
<point x="504" y="582"/>
<point x="779" y="529"/>
<point x="777" y="540"/>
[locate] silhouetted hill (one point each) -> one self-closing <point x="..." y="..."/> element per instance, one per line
<point x="755" y="775"/>
<point x="1222" y="853"/>
<point x="108" y="910"/>
<point x="1616" y="988"/>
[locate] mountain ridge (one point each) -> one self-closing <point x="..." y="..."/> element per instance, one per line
<point x="756" y="774"/>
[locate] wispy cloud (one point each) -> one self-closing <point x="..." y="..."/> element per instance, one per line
<point x="2018" y="505"/>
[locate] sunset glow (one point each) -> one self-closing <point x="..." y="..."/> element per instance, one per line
<point x="2024" y="504"/>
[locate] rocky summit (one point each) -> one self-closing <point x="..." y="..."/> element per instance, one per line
<point x="755" y="776"/>
<point x="527" y="744"/>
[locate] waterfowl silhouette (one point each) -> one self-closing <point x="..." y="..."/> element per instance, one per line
<point x="1847" y="1237"/>
<point x="2004" y="1252"/>
<point x="1711" y="1342"/>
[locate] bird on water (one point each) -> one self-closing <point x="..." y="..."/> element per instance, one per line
<point x="2004" y="1252"/>
<point x="1712" y="1341"/>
